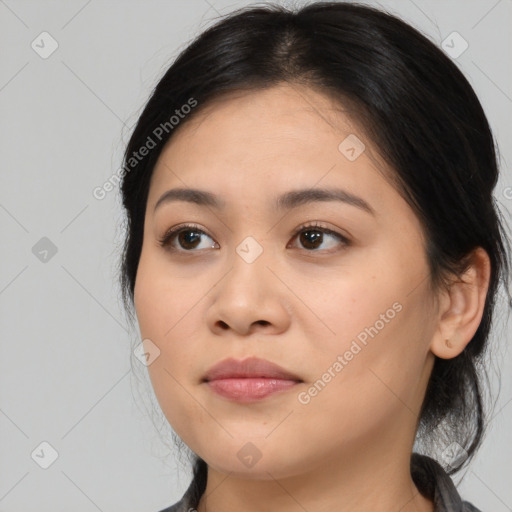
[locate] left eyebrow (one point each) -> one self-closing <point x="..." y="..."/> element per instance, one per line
<point x="288" y="200"/>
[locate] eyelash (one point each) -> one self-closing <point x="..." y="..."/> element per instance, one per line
<point x="167" y="238"/>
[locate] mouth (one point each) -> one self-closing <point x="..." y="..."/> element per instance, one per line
<point x="249" y="380"/>
<point x="249" y="389"/>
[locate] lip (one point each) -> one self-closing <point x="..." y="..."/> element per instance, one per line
<point x="249" y="380"/>
<point x="251" y="367"/>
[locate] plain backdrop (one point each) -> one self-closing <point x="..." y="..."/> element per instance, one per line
<point x="73" y="77"/>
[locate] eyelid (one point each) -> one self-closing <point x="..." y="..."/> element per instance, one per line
<point x="318" y="225"/>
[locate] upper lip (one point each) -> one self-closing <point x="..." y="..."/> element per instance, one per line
<point x="250" y="367"/>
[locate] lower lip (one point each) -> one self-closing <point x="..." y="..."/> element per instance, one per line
<point x="249" y="389"/>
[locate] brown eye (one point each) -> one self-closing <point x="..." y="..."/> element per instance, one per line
<point x="188" y="239"/>
<point x="312" y="237"/>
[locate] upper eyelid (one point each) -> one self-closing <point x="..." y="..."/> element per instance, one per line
<point x="303" y="226"/>
<point x="182" y="227"/>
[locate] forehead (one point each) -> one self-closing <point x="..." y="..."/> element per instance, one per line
<point x="283" y="137"/>
<point x="279" y="112"/>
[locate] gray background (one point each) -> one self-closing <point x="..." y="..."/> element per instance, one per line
<point x="67" y="372"/>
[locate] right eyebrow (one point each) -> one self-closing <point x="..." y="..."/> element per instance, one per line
<point x="191" y="195"/>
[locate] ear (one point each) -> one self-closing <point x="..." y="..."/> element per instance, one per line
<point x="461" y="308"/>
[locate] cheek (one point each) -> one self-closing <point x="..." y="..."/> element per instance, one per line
<point x="163" y="302"/>
<point x="346" y="306"/>
<point x="379" y="362"/>
<point x="377" y="329"/>
<point x="168" y="318"/>
<point x="166" y="315"/>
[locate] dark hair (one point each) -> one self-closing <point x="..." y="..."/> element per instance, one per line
<point x="420" y="112"/>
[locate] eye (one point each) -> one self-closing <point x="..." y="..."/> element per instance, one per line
<point x="313" y="235"/>
<point x="188" y="236"/>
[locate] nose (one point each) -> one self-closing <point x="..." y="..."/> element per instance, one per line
<point x="249" y="298"/>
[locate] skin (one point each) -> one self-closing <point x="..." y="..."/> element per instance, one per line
<point x="348" y="448"/>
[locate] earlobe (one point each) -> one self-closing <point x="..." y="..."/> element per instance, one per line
<point x="462" y="308"/>
<point x="447" y="348"/>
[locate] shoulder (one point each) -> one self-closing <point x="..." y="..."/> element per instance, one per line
<point x="172" y="508"/>
<point x="184" y="506"/>
<point x="177" y="507"/>
<point x="188" y="502"/>
<point x="469" y="507"/>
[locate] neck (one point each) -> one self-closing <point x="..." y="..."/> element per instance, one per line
<point x="377" y="480"/>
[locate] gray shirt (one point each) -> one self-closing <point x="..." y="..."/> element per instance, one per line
<point x="428" y="475"/>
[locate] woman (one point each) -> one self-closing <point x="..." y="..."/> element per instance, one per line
<point x="313" y="253"/>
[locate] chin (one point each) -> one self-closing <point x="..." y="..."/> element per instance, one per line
<point x="250" y="462"/>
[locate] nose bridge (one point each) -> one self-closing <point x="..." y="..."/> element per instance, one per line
<point x="250" y="250"/>
<point x="248" y="270"/>
<point x="248" y="294"/>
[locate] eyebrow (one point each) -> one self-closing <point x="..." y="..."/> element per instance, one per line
<point x="288" y="200"/>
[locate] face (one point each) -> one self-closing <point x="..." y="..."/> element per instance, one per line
<point x="333" y="290"/>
